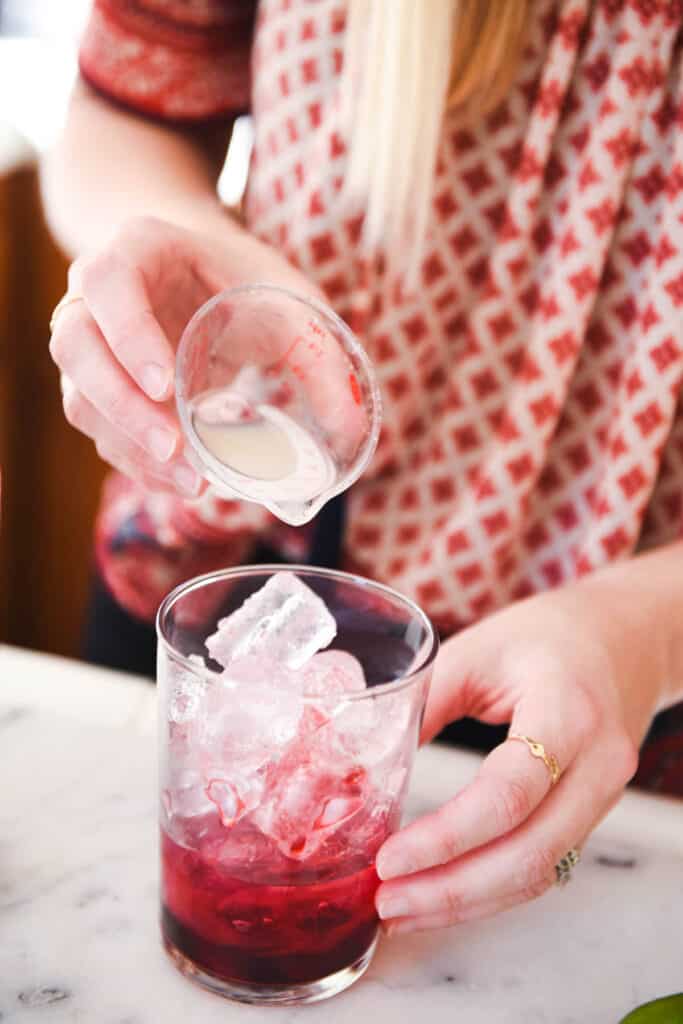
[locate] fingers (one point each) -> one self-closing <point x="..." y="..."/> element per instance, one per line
<point x="118" y="364"/>
<point x="130" y="467"/>
<point x="117" y="299"/>
<point x="510" y="785"/>
<point x="125" y="455"/>
<point x="519" y="866"/>
<point x="79" y="349"/>
<point x="454" y="694"/>
<point x="503" y="795"/>
<point x="445" y="919"/>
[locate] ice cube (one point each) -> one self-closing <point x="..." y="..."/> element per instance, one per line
<point x="257" y="670"/>
<point x="248" y="719"/>
<point x="307" y="805"/>
<point x="185" y="797"/>
<point x="235" y="797"/>
<point x="331" y="674"/>
<point x="375" y="730"/>
<point x="284" y="620"/>
<point x="225" y="729"/>
<point x="247" y="731"/>
<point x="243" y="852"/>
<point x="187" y="690"/>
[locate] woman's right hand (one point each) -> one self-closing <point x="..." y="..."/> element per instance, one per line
<point x="115" y="346"/>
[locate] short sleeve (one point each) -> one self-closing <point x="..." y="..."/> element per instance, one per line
<point x="178" y="60"/>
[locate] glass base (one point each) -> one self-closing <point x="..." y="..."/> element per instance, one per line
<point x="273" y="995"/>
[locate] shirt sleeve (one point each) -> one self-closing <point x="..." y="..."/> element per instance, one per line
<point x="172" y="60"/>
<point x="146" y="544"/>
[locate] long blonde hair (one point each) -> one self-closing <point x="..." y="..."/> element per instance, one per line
<point x="405" y="63"/>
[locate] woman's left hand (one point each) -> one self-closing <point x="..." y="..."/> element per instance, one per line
<point x="557" y="667"/>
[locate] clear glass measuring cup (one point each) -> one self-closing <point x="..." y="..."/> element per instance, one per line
<point x="277" y="399"/>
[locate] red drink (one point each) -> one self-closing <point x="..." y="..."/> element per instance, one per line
<point x="240" y="910"/>
<point x="282" y="775"/>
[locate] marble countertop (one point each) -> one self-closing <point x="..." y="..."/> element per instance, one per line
<point x="78" y="889"/>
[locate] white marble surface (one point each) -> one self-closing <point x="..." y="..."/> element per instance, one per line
<point x="78" y="889"/>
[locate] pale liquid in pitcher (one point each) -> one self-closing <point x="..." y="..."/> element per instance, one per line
<point x="278" y="460"/>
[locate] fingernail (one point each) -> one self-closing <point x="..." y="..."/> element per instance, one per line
<point x="156" y="380"/>
<point x="393" y="906"/>
<point x="161" y="443"/>
<point x="187" y="480"/>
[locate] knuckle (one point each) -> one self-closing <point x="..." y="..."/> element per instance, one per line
<point x="587" y="717"/>
<point x="536" y="889"/>
<point x="73" y="277"/>
<point x="97" y="269"/>
<point x="104" y="451"/>
<point x="54" y="347"/>
<point x="73" y="408"/>
<point x="109" y="454"/>
<point x="624" y="757"/>
<point x="453" y="902"/>
<point x="117" y="406"/>
<point x="450" y="844"/>
<point x="511" y="804"/>
<point x="537" y="871"/>
<point x="59" y="346"/>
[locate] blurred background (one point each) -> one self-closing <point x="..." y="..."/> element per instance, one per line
<point x="51" y="476"/>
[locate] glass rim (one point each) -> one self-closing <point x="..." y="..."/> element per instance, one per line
<point x="391" y="686"/>
<point x="210" y="467"/>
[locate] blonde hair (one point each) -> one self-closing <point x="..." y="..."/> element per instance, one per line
<point x="405" y="63"/>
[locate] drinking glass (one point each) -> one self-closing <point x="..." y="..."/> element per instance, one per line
<point x="277" y="399"/>
<point x="273" y="803"/>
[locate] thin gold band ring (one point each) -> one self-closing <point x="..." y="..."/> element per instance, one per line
<point x="538" y="750"/>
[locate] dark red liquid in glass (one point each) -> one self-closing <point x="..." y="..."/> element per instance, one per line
<point x="245" y="917"/>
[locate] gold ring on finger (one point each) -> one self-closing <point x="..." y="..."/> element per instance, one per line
<point x="538" y="750"/>
<point x="563" y="868"/>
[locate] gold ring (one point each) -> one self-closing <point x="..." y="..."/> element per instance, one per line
<point x="65" y="301"/>
<point x="563" y="868"/>
<point x="538" y="750"/>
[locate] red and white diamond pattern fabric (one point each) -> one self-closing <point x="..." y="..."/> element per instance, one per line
<point x="531" y="382"/>
<point x="533" y="430"/>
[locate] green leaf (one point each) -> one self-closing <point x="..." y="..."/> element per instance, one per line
<point x="662" y="1011"/>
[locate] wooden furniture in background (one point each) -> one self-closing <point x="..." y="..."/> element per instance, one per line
<point x="50" y="474"/>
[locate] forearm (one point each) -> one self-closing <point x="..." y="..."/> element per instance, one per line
<point x="111" y="166"/>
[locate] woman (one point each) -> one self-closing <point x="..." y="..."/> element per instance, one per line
<point x="491" y="194"/>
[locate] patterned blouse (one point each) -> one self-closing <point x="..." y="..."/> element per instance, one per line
<point x="533" y="428"/>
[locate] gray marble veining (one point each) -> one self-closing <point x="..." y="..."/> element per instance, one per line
<point x="78" y="889"/>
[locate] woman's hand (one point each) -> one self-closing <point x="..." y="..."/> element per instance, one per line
<point x="568" y="672"/>
<point x="116" y="347"/>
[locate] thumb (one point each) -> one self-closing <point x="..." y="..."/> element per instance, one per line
<point x="447" y="701"/>
<point x="462" y="685"/>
